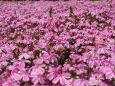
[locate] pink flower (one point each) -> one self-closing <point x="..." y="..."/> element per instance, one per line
<point x="38" y="79"/>
<point x="48" y="57"/>
<point x="53" y="72"/>
<point x="94" y="81"/>
<point x="18" y="65"/>
<point x="16" y="76"/>
<point x="10" y="82"/>
<point x="37" y="74"/>
<point x="25" y="56"/>
<point x="77" y="82"/>
<point x="108" y="71"/>
<point x="25" y="76"/>
<point x="82" y="82"/>
<point x="37" y="70"/>
<point x="1" y="81"/>
<point x="19" y="72"/>
<point x="57" y="76"/>
<point x="71" y="82"/>
<point x="101" y="51"/>
<point x="62" y="78"/>
<point x="42" y="43"/>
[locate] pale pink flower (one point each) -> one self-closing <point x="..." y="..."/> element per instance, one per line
<point x="25" y="56"/>
<point x="37" y="74"/>
<point x="42" y="43"/>
<point x="48" y="57"/>
<point x="10" y="82"/>
<point x="19" y="72"/>
<point x="38" y="61"/>
<point x="37" y="70"/>
<point x="82" y="82"/>
<point x="94" y="81"/>
<point x="16" y="76"/>
<point x="108" y="71"/>
<point x="71" y="82"/>
<point x="38" y="79"/>
<point x="53" y="72"/>
<point x="25" y="76"/>
<point x="101" y="51"/>
<point x="62" y="78"/>
<point x="57" y="76"/>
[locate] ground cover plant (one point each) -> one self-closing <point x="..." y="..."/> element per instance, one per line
<point x="57" y="43"/>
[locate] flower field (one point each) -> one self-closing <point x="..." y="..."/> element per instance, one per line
<point x="57" y="43"/>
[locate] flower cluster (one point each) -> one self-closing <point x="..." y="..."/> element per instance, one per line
<point x="60" y="43"/>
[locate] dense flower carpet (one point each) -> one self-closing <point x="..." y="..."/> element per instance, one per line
<point x="57" y="43"/>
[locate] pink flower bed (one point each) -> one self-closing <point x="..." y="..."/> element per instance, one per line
<point x="59" y="43"/>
